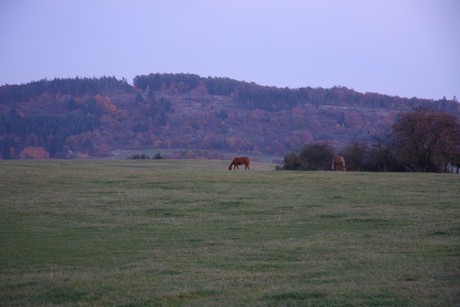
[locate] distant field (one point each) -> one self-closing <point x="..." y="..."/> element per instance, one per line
<point x="170" y="153"/>
<point x="167" y="232"/>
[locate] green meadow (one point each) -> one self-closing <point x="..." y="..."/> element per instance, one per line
<point x="176" y="232"/>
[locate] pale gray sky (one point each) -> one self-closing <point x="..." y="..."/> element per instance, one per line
<point x="396" y="47"/>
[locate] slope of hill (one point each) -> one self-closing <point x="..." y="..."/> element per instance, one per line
<point x="81" y="117"/>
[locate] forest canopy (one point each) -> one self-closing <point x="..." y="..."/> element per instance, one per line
<point x="93" y="117"/>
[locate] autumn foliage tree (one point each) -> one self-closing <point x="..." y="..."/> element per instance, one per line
<point x="426" y="140"/>
<point x="32" y="152"/>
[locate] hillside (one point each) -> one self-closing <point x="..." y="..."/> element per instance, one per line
<point x="82" y="117"/>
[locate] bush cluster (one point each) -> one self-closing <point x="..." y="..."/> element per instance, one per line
<point x="419" y="141"/>
<point x="157" y="156"/>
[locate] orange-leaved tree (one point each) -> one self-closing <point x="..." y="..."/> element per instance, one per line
<point x="32" y="152"/>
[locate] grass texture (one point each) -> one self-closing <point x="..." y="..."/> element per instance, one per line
<point x="166" y="232"/>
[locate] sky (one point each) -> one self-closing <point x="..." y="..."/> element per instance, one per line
<point x="407" y="48"/>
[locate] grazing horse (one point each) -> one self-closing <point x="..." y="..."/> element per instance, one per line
<point x="338" y="163"/>
<point x="239" y="161"/>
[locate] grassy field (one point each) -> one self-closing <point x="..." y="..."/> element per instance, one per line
<point x="164" y="232"/>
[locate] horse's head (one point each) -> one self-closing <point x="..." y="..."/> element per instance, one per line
<point x="232" y="164"/>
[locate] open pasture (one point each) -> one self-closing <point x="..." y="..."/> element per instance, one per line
<point x="164" y="232"/>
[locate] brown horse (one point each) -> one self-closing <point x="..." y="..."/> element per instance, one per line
<point x="239" y="161"/>
<point x="338" y="163"/>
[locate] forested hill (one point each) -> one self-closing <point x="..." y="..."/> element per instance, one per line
<point x="92" y="117"/>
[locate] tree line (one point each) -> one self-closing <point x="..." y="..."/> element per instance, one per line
<point x="247" y="94"/>
<point x="419" y="141"/>
<point x="269" y="98"/>
<point x="76" y="87"/>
